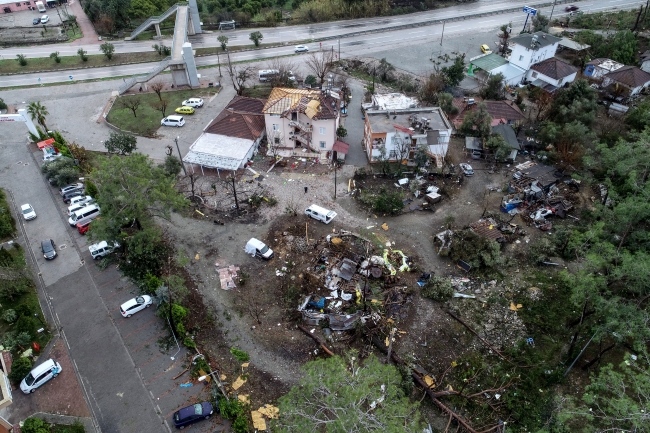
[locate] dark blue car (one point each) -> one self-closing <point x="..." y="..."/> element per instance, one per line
<point x="191" y="414"/>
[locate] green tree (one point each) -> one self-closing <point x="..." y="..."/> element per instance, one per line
<point x="82" y="53"/>
<point x="256" y="37"/>
<point x="37" y="111"/>
<point x="55" y="56"/>
<point x="622" y="47"/>
<point x="445" y="101"/>
<point x="495" y="88"/>
<point x="498" y="146"/>
<point x="21" y="59"/>
<point x="384" y="68"/>
<point x="540" y="22"/>
<point x="638" y="118"/>
<point x="455" y="73"/>
<point x="336" y="397"/>
<point x="121" y="143"/>
<point x="341" y="132"/>
<point x="19" y="369"/>
<point x="108" y="49"/>
<point x="578" y="102"/>
<point x="223" y="41"/>
<point x="35" y="425"/>
<point x="477" y="122"/>
<point x="61" y="171"/>
<point x="142" y="9"/>
<point x="310" y="80"/>
<point x="172" y="165"/>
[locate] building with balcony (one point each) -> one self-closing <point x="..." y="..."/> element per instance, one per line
<point x="397" y="135"/>
<point x="302" y="121"/>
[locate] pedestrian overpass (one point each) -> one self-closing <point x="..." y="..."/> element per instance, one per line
<point x="181" y="62"/>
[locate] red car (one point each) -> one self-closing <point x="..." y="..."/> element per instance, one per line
<point x="571" y="8"/>
<point x="83" y="227"/>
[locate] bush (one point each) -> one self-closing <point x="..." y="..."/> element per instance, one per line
<point x="61" y="172"/>
<point x="12" y="289"/>
<point x="234" y="410"/>
<point x="35" y="425"/>
<point x="438" y="289"/>
<point x="188" y="342"/>
<point x="26" y="324"/>
<point x="91" y="189"/>
<point x="479" y="252"/>
<point x="240" y="354"/>
<point x="9" y="316"/>
<point x="178" y="313"/>
<point x="19" y="369"/>
<point x="121" y="143"/>
<point x="172" y="165"/>
<point x="541" y="250"/>
<point x="7" y="222"/>
<point x="3" y="105"/>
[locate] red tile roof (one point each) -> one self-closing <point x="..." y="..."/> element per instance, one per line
<point x="630" y="76"/>
<point x="507" y="110"/>
<point x="242" y="118"/>
<point x="554" y="68"/>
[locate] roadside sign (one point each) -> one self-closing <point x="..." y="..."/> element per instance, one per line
<point x="530" y="11"/>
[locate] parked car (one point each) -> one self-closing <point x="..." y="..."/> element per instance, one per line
<point x="132" y="306"/>
<point x="84" y="226"/>
<point x="185" y="110"/>
<point x="193" y="102"/>
<point x="486" y="49"/>
<point x="101" y="249"/>
<point x="28" y="212"/>
<point x="301" y="48"/>
<point x="80" y="199"/>
<point x="466" y="168"/>
<point x="70" y="187"/>
<point x="48" y="248"/>
<point x="39" y="375"/>
<point x="257" y="248"/>
<point x="45" y="19"/>
<point x="571" y="8"/>
<point x="320" y="213"/>
<point x="191" y="414"/>
<point x="72" y="194"/>
<point x="177" y="121"/>
<point x="36" y="21"/>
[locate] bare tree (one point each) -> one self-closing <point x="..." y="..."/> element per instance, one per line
<point x="161" y="105"/>
<point x="285" y="68"/>
<point x="239" y="75"/>
<point x="157" y="87"/>
<point x="320" y="64"/>
<point x="130" y="102"/>
<point x="275" y="141"/>
<point x="402" y="146"/>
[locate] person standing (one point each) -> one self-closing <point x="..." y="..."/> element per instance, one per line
<point x="306" y="190"/>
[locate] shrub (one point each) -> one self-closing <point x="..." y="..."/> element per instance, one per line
<point x="12" y="289"/>
<point x="35" y="425"/>
<point x="310" y="80"/>
<point x="234" y="410"/>
<point x="3" y="105"/>
<point x="188" y="342"/>
<point x="240" y="354"/>
<point x="121" y="143"/>
<point x="19" y="369"/>
<point x="385" y="202"/>
<point x="91" y="189"/>
<point x="60" y="172"/>
<point x="178" y="313"/>
<point x="9" y="316"/>
<point x="21" y="59"/>
<point x="438" y="289"/>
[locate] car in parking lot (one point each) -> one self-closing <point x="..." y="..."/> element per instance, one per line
<point x="70" y="187"/>
<point x="185" y="110"/>
<point x="80" y="199"/>
<point x="28" y="212"/>
<point x="191" y="414"/>
<point x="101" y="249"/>
<point x="72" y="194"/>
<point x="466" y="168"/>
<point x="48" y="248"/>
<point x="45" y="19"/>
<point x="301" y="48"/>
<point x="486" y="49"/>
<point x="571" y="8"/>
<point x="173" y="121"/>
<point x="193" y="102"/>
<point x="36" y="21"/>
<point x="39" y="375"/>
<point x="132" y="306"/>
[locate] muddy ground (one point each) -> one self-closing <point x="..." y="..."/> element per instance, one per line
<point x="260" y="315"/>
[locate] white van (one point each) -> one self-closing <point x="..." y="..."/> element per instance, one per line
<point x="320" y="213"/>
<point x="173" y="121"/>
<point x="255" y="247"/>
<point x="79" y="205"/>
<point x="88" y="211"/>
<point x="40" y="6"/>
<point x="39" y="375"/>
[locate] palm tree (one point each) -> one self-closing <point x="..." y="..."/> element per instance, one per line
<point x="38" y="113"/>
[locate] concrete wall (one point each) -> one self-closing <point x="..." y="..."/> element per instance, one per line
<point x="525" y="57"/>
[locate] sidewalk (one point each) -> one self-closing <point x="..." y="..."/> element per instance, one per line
<point x="90" y="35"/>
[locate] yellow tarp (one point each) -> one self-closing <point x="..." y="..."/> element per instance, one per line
<point x="244" y="398"/>
<point x="514" y="307"/>
<point x="270" y="411"/>
<point x="312" y="108"/>
<point x="258" y="420"/>
<point x="238" y="383"/>
<point x="429" y="381"/>
<point x="384" y="226"/>
<point x="336" y="241"/>
<point x="203" y="373"/>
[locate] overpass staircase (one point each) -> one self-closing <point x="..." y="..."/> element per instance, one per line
<point x="151" y="21"/>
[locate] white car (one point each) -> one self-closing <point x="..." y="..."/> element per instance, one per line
<point x="44" y="19"/>
<point x="173" y="120"/>
<point x="467" y="169"/>
<point x="39" y="375"/>
<point x="193" y="102"/>
<point x="28" y="212"/>
<point x="81" y="199"/>
<point x="101" y="249"/>
<point x="70" y="187"/>
<point x="301" y="48"/>
<point x="134" y="305"/>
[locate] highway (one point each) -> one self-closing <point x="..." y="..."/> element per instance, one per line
<point x="350" y="45"/>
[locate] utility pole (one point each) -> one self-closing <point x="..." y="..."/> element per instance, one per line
<point x="335" y="179"/>
<point x="180" y="156"/>
<point x="340" y="47"/>
<point x="550" y="19"/>
<point x="234" y="192"/>
<point x="219" y="62"/>
<point x="443" y="33"/>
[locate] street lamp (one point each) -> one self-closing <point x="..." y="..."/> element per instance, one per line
<point x="173" y="335"/>
<point x="180" y="156"/>
<point x="40" y="320"/>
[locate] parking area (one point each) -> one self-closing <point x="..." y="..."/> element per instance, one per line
<point x="26" y="18"/>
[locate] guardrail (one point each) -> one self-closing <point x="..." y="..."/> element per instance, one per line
<point x="155" y="20"/>
<point x="144" y="78"/>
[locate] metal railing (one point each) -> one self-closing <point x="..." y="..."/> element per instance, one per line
<point x="144" y="78"/>
<point x="298" y="124"/>
<point x="155" y="20"/>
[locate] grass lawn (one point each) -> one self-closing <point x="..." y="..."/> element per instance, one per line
<point x="148" y="119"/>
<point x="258" y="91"/>
<point x="46" y="64"/>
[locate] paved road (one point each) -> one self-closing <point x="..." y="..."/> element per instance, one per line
<point x="290" y="34"/>
<point x="127" y="378"/>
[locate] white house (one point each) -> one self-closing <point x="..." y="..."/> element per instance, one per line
<point x="551" y="74"/>
<point x="299" y="119"/>
<point x="399" y="134"/>
<point x="232" y="138"/>
<point x="628" y="79"/>
<point x="530" y="48"/>
<point x="597" y="68"/>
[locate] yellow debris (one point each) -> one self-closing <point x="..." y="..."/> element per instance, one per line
<point x="449" y="388"/>
<point x="454" y="363"/>
<point x="336" y="241"/>
<point x="384" y="226"/>
<point x="375" y="301"/>
<point x="390" y="320"/>
<point x="222" y="377"/>
<point x="200" y="213"/>
<point x="270" y="411"/>
<point x="429" y="381"/>
<point x="196" y="257"/>
<point x="258" y="420"/>
<point x="402" y="332"/>
<point x="386" y="342"/>
<point x="244" y="398"/>
<point x="514" y="307"/>
<point x="203" y="373"/>
<point x="238" y="383"/>
<point x="245" y="364"/>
